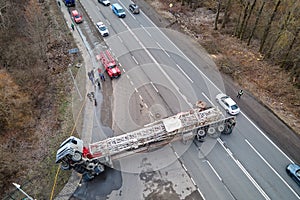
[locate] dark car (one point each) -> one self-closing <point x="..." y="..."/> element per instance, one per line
<point x="293" y="170"/>
<point x="134" y="9"/>
<point x="104" y="2"/>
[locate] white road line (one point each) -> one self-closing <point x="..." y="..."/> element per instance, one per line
<point x="151" y="113"/>
<point x="267" y="138"/>
<point x="136" y="90"/>
<point x="155" y="61"/>
<point x="146" y="30"/>
<point x="123" y="69"/>
<point x="120" y="39"/>
<point x="176" y="154"/>
<point x="146" y="105"/>
<point x="163" y="49"/>
<point x="193" y="181"/>
<point x="127" y="76"/>
<point x="219" y="177"/>
<point x="262" y="192"/>
<point x="75" y="85"/>
<point x="184" y="73"/>
<point x="201" y="194"/>
<point x="272" y="168"/>
<point x="131" y="82"/>
<point x="184" y="167"/>
<point x="208" y="99"/>
<point x="135" y="60"/>
<point x="154" y="87"/>
<point x="140" y="97"/>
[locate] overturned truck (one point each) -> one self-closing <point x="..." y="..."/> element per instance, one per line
<point x="196" y="123"/>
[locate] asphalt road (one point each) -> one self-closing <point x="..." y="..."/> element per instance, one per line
<point x="160" y="79"/>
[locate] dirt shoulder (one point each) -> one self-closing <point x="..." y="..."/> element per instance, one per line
<point x="270" y="99"/>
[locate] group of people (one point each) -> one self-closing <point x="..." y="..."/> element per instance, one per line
<point x="91" y="76"/>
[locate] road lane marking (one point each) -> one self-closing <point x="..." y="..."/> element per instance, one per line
<point x="217" y="88"/>
<point x="267" y="138"/>
<point x="262" y="192"/>
<point x="157" y="64"/>
<point x="200" y="193"/>
<point x="272" y="168"/>
<point x="219" y="177"/>
<point x="208" y="99"/>
<point x="154" y="87"/>
<point x="135" y="60"/>
<point x="136" y="90"/>
<point x="184" y="73"/>
<point x="163" y="49"/>
<point x="146" y="30"/>
<point x="120" y="39"/>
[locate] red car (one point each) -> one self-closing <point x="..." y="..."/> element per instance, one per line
<point x="76" y="17"/>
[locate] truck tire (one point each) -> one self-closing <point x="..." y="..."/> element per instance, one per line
<point x="87" y="176"/>
<point x="227" y="130"/>
<point x="65" y="166"/>
<point x="76" y="157"/>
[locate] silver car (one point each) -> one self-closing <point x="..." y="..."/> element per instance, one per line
<point x="134" y="8"/>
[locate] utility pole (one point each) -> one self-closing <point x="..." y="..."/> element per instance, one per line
<point x="19" y="188"/>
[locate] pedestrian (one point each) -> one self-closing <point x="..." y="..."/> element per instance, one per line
<point x="95" y="102"/>
<point x="102" y="76"/>
<point x="89" y="96"/>
<point x="240" y="93"/>
<point x="92" y="73"/>
<point x="99" y="85"/>
<point x="72" y="26"/>
<point x="91" y="77"/>
<point x="58" y="2"/>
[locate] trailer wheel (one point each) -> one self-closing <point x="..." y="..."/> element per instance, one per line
<point x="221" y="128"/>
<point x="201" y="132"/>
<point x="76" y="157"/>
<point x="211" y="130"/>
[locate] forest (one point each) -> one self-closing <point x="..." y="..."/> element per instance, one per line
<point x="273" y="24"/>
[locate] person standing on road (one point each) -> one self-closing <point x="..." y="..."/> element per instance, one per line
<point x="240" y="93"/>
<point x="72" y="26"/>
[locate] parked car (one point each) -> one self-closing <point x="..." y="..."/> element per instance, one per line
<point x="118" y="10"/>
<point x="293" y="170"/>
<point x="104" y="2"/>
<point x="76" y="17"/>
<point x="102" y="29"/>
<point x="134" y="8"/>
<point x="228" y="104"/>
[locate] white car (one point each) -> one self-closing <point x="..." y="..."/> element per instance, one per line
<point x="228" y="104"/>
<point x="102" y="29"/>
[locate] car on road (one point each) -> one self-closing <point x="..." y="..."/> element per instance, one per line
<point x="76" y="17"/>
<point x="134" y="8"/>
<point x="104" y="2"/>
<point x="293" y="170"/>
<point x="118" y="10"/>
<point x="228" y="104"/>
<point x="102" y="29"/>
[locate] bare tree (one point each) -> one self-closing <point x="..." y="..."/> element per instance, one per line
<point x="282" y="27"/>
<point x="243" y="19"/>
<point x="256" y="22"/>
<point x="217" y="15"/>
<point x="226" y="15"/>
<point x="267" y="29"/>
<point x="247" y="19"/>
